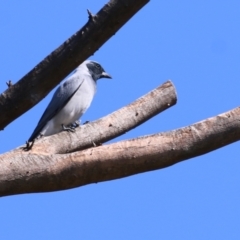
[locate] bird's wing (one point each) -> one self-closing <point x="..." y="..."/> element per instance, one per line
<point x="60" y="98"/>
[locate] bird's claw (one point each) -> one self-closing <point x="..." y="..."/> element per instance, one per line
<point x="70" y="128"/>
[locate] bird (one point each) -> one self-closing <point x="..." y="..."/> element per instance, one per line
<point x="70" y="101"/>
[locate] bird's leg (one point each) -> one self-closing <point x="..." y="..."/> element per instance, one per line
<point x="68" y="128"/>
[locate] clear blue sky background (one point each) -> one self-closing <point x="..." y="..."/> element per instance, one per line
<point x="196" y="44"/>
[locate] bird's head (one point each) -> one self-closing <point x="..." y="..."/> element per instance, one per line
<point x="96" y="70"/>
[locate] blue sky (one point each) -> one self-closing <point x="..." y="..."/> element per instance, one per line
<point x="193" y="43"/>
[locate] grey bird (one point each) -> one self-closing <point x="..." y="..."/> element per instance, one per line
<point x="70" y="101"/>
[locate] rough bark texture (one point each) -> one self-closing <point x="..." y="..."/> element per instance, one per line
<point x="35" y="85"/>
<point x="26" y="172"/>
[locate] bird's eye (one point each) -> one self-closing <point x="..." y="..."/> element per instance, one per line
<point x="97" y="66"/>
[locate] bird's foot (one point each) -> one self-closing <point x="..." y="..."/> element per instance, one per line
<point x="72" y="126"/>
<point x="69" y="128"/>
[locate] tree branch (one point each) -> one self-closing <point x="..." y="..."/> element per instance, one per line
<point x="35" y="85"/>
<point x="111" y="126"/>
<point x="26" y="172"/>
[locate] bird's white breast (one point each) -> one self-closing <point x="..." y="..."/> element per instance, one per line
<point x="74" y="108"/>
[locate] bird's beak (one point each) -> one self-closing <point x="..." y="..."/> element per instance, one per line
<point x="105" y="75"/>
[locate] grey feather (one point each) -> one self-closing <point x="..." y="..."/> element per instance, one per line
<point x="71" y="99"/>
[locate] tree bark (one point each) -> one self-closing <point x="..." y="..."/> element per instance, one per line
<point x="35" y="171"/>
<point x="35" y="85"/>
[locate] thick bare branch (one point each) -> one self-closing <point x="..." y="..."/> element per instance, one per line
<point x="111" y="126"/>
<point x="25" y="172"/>
<point x="35" y="85"/>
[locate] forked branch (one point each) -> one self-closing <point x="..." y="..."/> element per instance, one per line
<point x="27" y="172"/>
